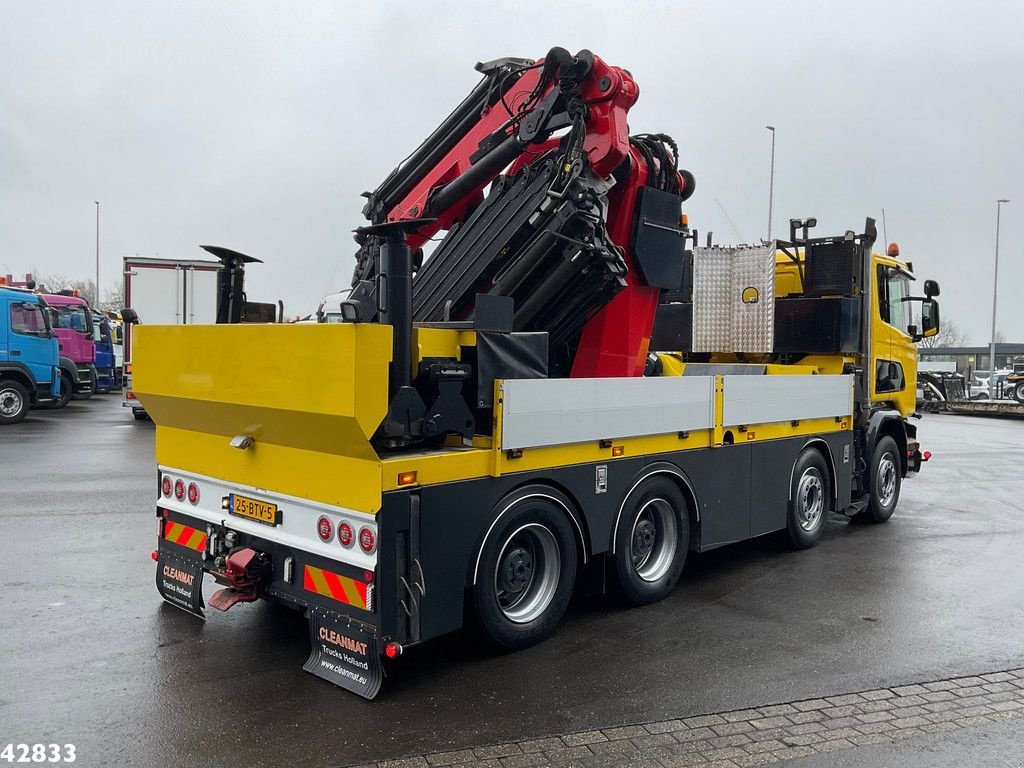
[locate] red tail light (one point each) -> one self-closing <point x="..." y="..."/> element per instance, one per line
<point x="179" y="489"/>
<point x="166" y="485"/>
<point x="155" y="555"/>
<point x="193" y="493"/>
<point x="345" y="535"/>
<point x="393" y="650"/>
<point x="927" y="455"/>
<point x="367" y="540"/>
<point x="324" y="528"/>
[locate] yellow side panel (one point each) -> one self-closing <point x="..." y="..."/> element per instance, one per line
<point x="310" y="396"/>
<point x="584" y="453"/>
<point x="443" y="466"/>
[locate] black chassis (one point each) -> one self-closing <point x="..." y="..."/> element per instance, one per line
<point x="429" y="537"/>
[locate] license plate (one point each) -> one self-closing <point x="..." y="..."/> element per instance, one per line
<point x="260" y="511"/>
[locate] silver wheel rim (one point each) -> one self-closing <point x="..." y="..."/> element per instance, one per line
<point x="654" y="539"/>
<point x="10" y="402"/>
<point x="810" y="500"/>
<point x="527" y="573"/>
<point x="886" y="480"/>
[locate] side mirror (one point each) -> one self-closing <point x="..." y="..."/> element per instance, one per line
<point x="929" y="316"/>
<point x="129" y="316"/>
<point x="931" y="289"/>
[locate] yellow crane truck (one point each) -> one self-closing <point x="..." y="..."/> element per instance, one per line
<point x="567" y="385"/>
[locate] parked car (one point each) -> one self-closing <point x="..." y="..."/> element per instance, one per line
<point x="983" y="389"/>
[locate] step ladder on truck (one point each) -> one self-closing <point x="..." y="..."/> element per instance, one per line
<point x="566" y="388"/>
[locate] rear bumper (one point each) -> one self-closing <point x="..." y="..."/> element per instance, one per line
<point x="308" y="565"/>
<point x="128" y="398"/>
<point x="295" y="577"/>
<point x="338" y="599"/>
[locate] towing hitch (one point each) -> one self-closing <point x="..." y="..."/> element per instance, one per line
<point x="243" y="574"/>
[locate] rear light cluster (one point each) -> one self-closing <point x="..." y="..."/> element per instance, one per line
<point x="347" y="535"/>
<point x="169" y="485"/>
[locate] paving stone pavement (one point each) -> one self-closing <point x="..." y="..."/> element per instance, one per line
<point x="762" y="735"/>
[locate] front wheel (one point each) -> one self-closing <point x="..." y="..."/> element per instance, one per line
<point x="65" y="391"/>
<point x="526" y="574"/>
<point x="809" y="497"/>
<point x="886" y="480"/>
<point x="652" y="540"/>
<point x="14" y="402"/>
<point x="1018" y="393"/>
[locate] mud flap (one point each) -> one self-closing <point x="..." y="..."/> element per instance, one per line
<point x="343" y="654"/>
<point x="180" y="583"/>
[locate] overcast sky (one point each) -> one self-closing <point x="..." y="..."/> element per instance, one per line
<point x="255" y="125"/>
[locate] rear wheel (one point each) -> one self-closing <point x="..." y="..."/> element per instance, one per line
<point x="809" y="497"/>
<point x="14" y="402"/>
<point x="885" y="481"/>
<point x="526" y="574"/>
<point x="652" y="540"/>
<point x="1018" y="393"/>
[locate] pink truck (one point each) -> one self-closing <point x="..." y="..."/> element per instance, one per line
<point x="72" y="322"/>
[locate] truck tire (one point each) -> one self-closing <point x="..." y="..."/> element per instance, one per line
<point x="809" y="497"/>
<point x="886" y="481"/>
<point x="652" y="539"/>
<point x="14" y="401"/>
<point x="525" y="575"/>
<point x="1018" y="393"/>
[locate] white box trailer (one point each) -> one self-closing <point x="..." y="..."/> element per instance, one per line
<point x="166" y="292"/>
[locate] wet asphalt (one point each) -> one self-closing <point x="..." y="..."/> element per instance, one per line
<point x="90" y="655"/>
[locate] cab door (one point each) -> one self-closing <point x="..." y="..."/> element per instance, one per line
<point x="894" y="351"/>
<point x="28" y="339"/>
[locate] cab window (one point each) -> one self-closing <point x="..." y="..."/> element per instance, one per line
<point x="894" y="288"/>
<point x="28" y="319"/>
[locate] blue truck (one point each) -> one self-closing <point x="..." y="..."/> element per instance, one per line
<point x="29" y="355"/>
<point x="106" y="377"/>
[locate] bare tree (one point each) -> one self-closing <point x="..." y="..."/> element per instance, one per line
<point x="114" y="297"/>
<point x="55" y="282"/>
<point x="949" y="335"/>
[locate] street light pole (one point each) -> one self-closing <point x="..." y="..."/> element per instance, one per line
<point x="995" y="287"/>
<point x="97" y="252"/>
<point x="771" y="182"/>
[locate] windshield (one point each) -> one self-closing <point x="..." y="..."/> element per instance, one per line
<point x="73" y="316"/>
<point x="28" y="319"/>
